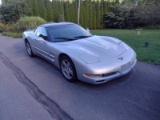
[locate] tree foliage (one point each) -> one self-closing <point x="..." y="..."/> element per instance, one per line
<point x="93" y="12"/>
<point x="120" y="16"/>
<point x="148" y="15"/>
<point x="12" y="12"/>
<point x="91" y="15"/>
<point x="126" y="16"/>
<point x="11" y="1"/>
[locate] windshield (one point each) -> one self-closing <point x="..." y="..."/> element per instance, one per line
<point x="67" y="33"/>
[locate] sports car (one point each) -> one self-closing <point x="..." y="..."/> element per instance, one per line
<point x="78" y="54"/>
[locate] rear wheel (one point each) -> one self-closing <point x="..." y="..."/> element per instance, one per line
<point x="29" y="49"/>
<point x="68" y="69"/>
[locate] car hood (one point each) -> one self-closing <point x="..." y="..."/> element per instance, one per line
<point x="94" y="49"/>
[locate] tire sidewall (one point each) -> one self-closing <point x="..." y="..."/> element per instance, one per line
<point x="30" y="48"/>
<point x="74" y="78"/>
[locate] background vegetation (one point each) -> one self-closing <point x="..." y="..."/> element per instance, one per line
<point x="24" y="23"/>
<point x="95" y="14"/>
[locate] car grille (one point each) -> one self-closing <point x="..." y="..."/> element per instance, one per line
<point x="109" y="74"/>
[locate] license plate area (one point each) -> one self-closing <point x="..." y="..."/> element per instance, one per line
<point x="125" y="67"/>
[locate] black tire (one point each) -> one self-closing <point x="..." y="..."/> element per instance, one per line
<point x="29" y="49"/>
<point x="68" y="69"/>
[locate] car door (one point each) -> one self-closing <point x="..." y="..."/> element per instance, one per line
<point x="41" y="42"/>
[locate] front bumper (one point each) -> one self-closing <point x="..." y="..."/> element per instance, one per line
<point x="123" y="69"/>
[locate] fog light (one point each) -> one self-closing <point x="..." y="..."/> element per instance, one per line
<point x="88" y="75"/>
<point x="92" y="75"/>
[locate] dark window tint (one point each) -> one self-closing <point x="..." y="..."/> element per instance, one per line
<point x="66" y="32"/>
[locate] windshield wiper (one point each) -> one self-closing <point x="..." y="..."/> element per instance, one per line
<point x="84" y="36"/>
<point x="63" y="38"/>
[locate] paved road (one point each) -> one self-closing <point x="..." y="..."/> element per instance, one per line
<point x="33" y="89"/>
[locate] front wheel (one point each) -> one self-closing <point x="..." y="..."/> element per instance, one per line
<point x="68" y="69"/>
<point x="29" y="49"/>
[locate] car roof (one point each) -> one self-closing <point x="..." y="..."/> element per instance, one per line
<point x="56" y="24"/>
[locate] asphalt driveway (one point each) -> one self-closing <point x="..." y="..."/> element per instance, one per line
<point x="33" y="89"/>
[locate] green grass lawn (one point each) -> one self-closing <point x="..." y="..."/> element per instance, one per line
<point x="150" y="54"/>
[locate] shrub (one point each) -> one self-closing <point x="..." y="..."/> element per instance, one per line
<point x="24" y="23"/>
<point x="10" y="13"/>
<point x="1" y="23"/>
<point x="124" y="16"/>
<point x="8" y="27"/>
<point x="12" y="34"/>
<point x="148" y="15"/>
<point x="30" y="22"/>
<point x="2" y="28"/>
<point x="121" y="16"/>
<point x="14" y="28"/>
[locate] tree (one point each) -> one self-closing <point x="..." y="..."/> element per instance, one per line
<point x="148" y="15"/>
<point x="42" y="9"/>
<point x="12" y="12"/>
<point x="29" y="7"/>
<point x="11" y="1"/>
<point x="120" y="16"/>
<point x="49" y="11"/>
<point x="55" y="10"/>
<point x="35" y="7"/>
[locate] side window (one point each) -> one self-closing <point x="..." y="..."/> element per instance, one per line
<point x="41" y="32"/>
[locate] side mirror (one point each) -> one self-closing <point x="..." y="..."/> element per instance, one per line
<point x="44" y="37"/>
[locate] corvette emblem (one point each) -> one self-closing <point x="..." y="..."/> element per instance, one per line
<point x="120" y="58"/>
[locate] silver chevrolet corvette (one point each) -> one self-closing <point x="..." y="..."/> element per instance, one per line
<point x="79" y="54"/>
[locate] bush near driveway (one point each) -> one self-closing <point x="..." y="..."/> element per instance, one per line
<point x="32" y="22"/>
<point x="12" y="34"/>
<point x="2" y="27"/>
<point x="24" y="23"/>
